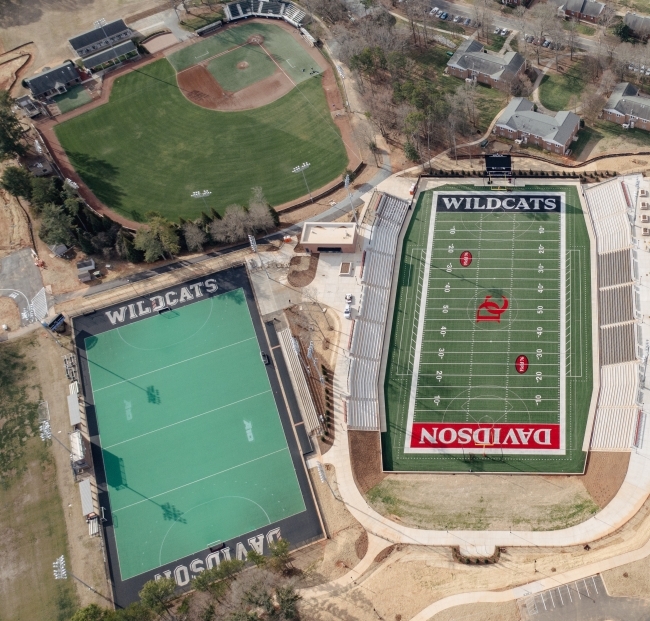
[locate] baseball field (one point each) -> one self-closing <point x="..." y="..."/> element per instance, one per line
<point x="154" y="143"/>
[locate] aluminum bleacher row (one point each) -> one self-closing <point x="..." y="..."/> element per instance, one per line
<point x="370" y="324"/>
<point x="264" y="8"/>
<point x="617" y="413"/>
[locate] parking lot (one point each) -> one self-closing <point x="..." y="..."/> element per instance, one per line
<point x="582" y="600"/>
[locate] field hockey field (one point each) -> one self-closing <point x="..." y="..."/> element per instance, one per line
<point x="150" y="147"/>
<point x="490" y="362"/>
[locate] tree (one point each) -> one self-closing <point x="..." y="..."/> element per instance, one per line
<point x="147" y="241"/>
<point x="17" y="181"/>
<point x="233" y="227"/>
<point x="56" y="226"/>
<point x="593" y="102"/>
<point x="542" y="17"/>
<point x="194" y="236"/>
<point x="157" y="238"/>
<point x="280" y="559"/>
<point x="572" y="34"/>
<point x="156" y="595"/>
<point x="44" y="190"/>
<point x="93" y="612"/>
<point x="11" y="131"/>
<point x="259" y="560"/>
<point x="624" y="32"/>
<point x="287" y="599"/>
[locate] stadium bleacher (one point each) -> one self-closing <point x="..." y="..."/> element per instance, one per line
<point x="369" y="328"/>
<point x="614" y="268"/>
<point x="616" y="305"/>
<point x="265" y="8"/>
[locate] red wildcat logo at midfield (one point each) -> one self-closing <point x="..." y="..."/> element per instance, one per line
<point x="489" y="310"/>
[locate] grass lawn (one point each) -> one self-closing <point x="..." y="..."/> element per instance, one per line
<point x="74" y="98"/>
<point x="604" y="130"/>
<point x="149" y="148"/>
<point x="581" y="28"/>
<point x="557" y="90"/>
<point x="490" y="102"/>
<point x="32" y="524"/>
<point x="495" y="43"/>
<point x="225" y="68"/>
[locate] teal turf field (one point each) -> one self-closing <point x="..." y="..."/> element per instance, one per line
<point x="191" y="438"/>
<point x="149" y="147"/>
<point x="502" y="342"/>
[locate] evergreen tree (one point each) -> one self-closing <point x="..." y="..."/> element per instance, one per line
<point x="17" y="181"/>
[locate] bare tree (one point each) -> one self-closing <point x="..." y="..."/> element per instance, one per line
<point x="592" y="103"/>
<point x="331" y="11"/>
<point x="233" y="227"/>
<point x="542" y="18"/>
<point x="608" y="82"/>
<point x="194" y="236"/>
<point x="572" y="35"/>
<point x="559" y="37"/>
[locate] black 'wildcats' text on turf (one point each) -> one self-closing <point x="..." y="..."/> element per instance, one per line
<point x="527" y="202"/>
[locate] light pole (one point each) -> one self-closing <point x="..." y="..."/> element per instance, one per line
<point x="61" y="573"/>
<point x="203" y="195"/>
<point x="45" y="432"/>
<point x="354" y="211"/>
<point x="301" y="169"/>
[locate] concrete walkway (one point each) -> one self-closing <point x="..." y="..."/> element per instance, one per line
<point x="538" y="81"/>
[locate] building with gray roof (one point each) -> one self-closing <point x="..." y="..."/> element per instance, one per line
<point x="112" y="56"/>
<point x="53" y="81"/>
<point x="639" y="24"/>
<point x="586" y="10"/>
<point x="98" y="39"/>
<point x="628" y="106"/>
<point x="520" y="121"/>
<point x="471" y="61"/>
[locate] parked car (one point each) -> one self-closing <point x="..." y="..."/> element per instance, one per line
<point x="546" y="43"/>
<point x="497" y="30"/>
<point x="434" y="10"/>
<point x="265" y="358"/>
<point x="468" y="21"/>
<point x="347" y="313"/>
<point x="458" y="18"/>
<point x="348" y="298"/>
<point x="530" y="39"/>
<point x="504" y="32"/>
<point x="444" y="16"/>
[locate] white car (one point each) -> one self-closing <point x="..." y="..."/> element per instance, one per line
<point x="504" y="32"/>
<point x="348" y="298"/>
<point x="434" y="11"/>
<point x="497" y="30"/>
<point x="347" y="313"/>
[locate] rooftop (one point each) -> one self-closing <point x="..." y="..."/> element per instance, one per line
<point x="471" y="55"/>
<point x="52" y="78"/>
<point x="627" y="99"/>
<point x="328" y="233"/>
<point x="97" y="34"/>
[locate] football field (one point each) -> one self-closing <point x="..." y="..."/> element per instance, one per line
<point x="192" y="443"/>
<point x="490" y="355"/>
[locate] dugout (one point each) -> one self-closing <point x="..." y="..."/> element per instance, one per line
<point x="329" y="236"/>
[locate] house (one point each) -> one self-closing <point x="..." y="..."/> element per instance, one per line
<point x="639" y="24"/>
<point x="471" y="61"/>
<point x="520" y="121"/>
<point x="585" y="10"/>
<point x="100" y="38"/>
<point x="628" y="106"/>
<point x="54" y="81"/>
<point x="111" y="56"/>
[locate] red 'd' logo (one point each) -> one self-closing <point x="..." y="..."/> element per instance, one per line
<point x="489" y="310"/>
<point x="521" y="364"/>
<point x="466" y="258"/>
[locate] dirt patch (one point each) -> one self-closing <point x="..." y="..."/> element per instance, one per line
<point x="384" y="554"/>
<point x="605" y="474"/>
<point x="256" y="39"/>
<point x="198" y="85"/>
<point x="9" y="69"/>
<point x="365" y="456"/>
<point x="14" y="227"/>
<point x="161" y="42"/>
<point x="9" y="314"/>
<point x="303" y="270"/>
<point x="243" y="65"/>
<point x="631" y="580"/>
<point x="361" y="545"/>
<point x="482" y="502"/>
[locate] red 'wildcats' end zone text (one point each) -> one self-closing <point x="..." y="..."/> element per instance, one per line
<point x="487" y="367"/>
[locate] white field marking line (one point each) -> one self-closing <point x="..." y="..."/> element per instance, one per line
<point x="214" y="474"/>
<point x="202" y="55"/>
<point x="212" y="57"/>
<point x="185" y="420"/>
<point x="288" y="61"/>
<point x="207" y="353"/>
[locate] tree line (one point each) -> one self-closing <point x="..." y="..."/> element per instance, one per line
<point x="66" y="219"/>
<point x="260" y="588"/>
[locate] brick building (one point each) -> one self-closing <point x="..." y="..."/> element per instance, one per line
<point x="471" y="61"/>
<point x="628" y="106"/>
<point x="520" y="121"/>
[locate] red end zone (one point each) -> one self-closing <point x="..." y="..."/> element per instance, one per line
<point x="517" y="436"/>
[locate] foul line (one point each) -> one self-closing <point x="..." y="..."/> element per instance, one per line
<point x="169" y="491"/>
<point x="173" y="365"/>
<point x="221" y="407"/>
<point x="232" y="49"/>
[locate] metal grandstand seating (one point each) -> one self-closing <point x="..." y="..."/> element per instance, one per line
<point x="614" y="428"/>
<point x="370" y="326"/>
<point x="616" y="305"/>
<point x="617" y="344"/>
<point x="264" y="8"/>
<point x="608" y="208"/>
<point x="614" y="268"/>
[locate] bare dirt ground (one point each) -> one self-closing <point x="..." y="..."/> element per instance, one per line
<point x="631" y="580"/>
<point x="14" y="229"/>
<point x="161" y="42"/>
<point x="478" y="502"/>
<point x="605" y="475"/>
<point x="9" y="70"/>
<point x="50" y="23"/>
<point x="365" y="455"/>
<point x="303" y="270"/>
<point x="9" y="314"/>
<point x="480" y="612"/>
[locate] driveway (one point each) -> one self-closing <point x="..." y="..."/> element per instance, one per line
<point x="21" y="281"/>
<point x="583" y="600"/>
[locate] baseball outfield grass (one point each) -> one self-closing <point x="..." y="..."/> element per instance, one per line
<point x="149" y="147"/>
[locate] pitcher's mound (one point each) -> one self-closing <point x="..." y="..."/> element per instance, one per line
<point x="256" y="39"/>
<point x="242" y="65"/>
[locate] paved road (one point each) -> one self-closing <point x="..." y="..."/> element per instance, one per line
<point x="503" y="21"/>
<point x="21" y="281"/>
<point x="583" y="600"/>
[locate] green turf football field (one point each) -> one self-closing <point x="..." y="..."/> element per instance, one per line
<point x="284" y="49"/>
<point x="191" y="438"/>
<point x="465" y="367"/>
<point x="149" y="148"/>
